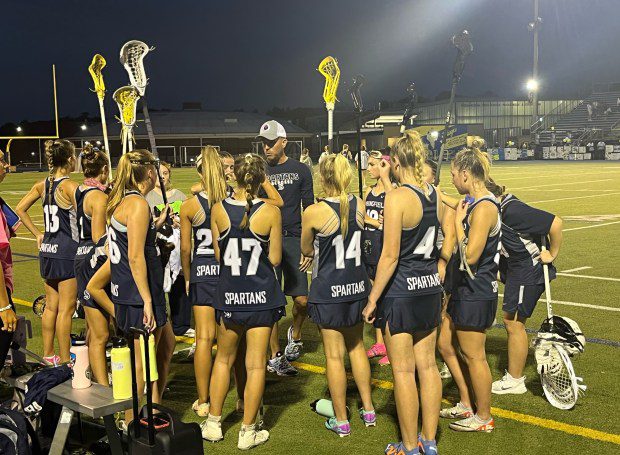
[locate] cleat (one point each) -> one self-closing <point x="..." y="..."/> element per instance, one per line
<point x="249" y="437"/>
<point x="473" y="424"/>
<point x="509" y="385"/>
<point x="211" y="429"/>
<point x="427" y="447"/>
<point x="293" y="348"/>
<point x="280" y="366"/>
<point x="444" y="373"/>
<point x="342" y="429"/>
<point x="368" y="417"/>
<point x="398" y="448"/>
<point x="201" y="409"/>
<point x="459" y="411"/>
<point x="376" y="350"/>
<point x="384" y="361"/>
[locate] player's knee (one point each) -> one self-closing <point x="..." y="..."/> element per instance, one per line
<point x="301" y="301"/>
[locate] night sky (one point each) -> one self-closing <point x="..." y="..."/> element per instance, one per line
<point x="256" y="54"/>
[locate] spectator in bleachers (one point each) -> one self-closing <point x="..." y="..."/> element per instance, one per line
<point x="589" y="108"/>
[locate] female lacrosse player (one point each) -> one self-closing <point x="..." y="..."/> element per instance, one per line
<point x="521" y="268"/>
<point x="372" y="240"/>
<point x="201" y="269"/>
<point x="249" y="298"/>
<point x="339" y="287"/>
<point x="57" y="246"/>
<point x="473" y="302"/>
<point x="91" y="201"/>
<point x="408" y="283"/>
<point x="134" y="270"/>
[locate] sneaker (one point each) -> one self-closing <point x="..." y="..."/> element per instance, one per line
<point x="427" y="447"/>
<point x="398" y="448"/>
<point x="342" y="429"/>
<point x="191" y="351"/>
<point x="293" y="348"/>
<point x="249" y="437"/>
<point x="191" y="333"/>
<point x="280" y="366"/>
<point x="459" y="411"/>
<point x="211" y="429"/>
<point x="368" y="417"/>
<point x="201" y="409"/>
<point x="376" y="350"/>
<point x="384" y="361"/>
<point x="474" y="423"/>
<point x="52" y="360"/>
<point x="122" y="426"/>
<point x="444" y="373"/>
<point x="239" y="406"/>
<point x="509" y="385"/>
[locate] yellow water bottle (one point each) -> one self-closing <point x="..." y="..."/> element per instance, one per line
<point x="152" y="358"/>
<point x="120" y="360"/>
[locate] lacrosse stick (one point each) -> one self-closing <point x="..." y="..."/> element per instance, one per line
<point x="560" y="384"/>
<point x="127" y="99"/>
<point x="132" y="58"/>
<point x="413" y="98"/>
<point x="329" y="69"/>
<point x="358" y="104"/>
<point x="464" y="48"/>
<point x="95" y="70"/>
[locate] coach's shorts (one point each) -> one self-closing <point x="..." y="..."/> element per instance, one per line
<point x="203" y="293"/>
<point x="56" y="269"/>
<point x="371" y="270"/>
<point x="409" y="314"/>
<point x="336" y="315"/>
<point x="265" y="318"/>
<point x="475" y="314"/>
<point x="128" y="316"/>
<point x="522" y="299"/>
<point x="295" y="281"/>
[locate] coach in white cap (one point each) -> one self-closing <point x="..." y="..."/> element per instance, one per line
<point x="293" y="180"/>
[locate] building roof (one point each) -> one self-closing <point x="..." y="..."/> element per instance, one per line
<point x="194" y="123"/>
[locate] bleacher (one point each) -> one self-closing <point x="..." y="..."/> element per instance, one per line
<point x="576" y="124"/>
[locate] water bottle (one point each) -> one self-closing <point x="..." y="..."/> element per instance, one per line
<point x="324" y="407"/>
<point x="120" y="361"/>
<point x="81" y="367"/>
<point x="152" y="358"/>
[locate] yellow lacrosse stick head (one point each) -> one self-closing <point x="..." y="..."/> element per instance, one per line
<point x="329" y="68"/>
<point x="127" y="99"/>
<point x="95" y="70"/>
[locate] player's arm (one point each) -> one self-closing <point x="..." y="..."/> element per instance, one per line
<point x="307" y="236"/>
<point x="275" y="236"/>
<point x="35" y="193"/>
<point x="186" y="216"/>
<point x="384" y="175"/>
<point x="7" y="315"/>
<point x="273" y="197"/>
<point x="217" y="214"/>
<point x="555" y="242"/>
<point x="97" y="200"/>
<point x="97" y="285"/>
<point x="138" y="220"/>
<point x="196" y="188"/>
<point x="450" y="201"/>
<point x="483" y="218"/>
<point x="307" y="189"/>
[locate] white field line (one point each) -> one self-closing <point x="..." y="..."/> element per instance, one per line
<point x="26" y="238"/>
<point x="561" y="184"/>
<point x="571" y="198"/>
<point x="603" y="278"/>
<point x="575" y="269"/>
<point x="583" y="305"/>
<point x="590" y="227"/>
<point x="546" y="176"/>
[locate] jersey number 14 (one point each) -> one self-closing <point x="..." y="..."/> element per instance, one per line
<point x="353" y="251"/>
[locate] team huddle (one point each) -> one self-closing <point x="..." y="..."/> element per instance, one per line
<point x="420" y="266"/>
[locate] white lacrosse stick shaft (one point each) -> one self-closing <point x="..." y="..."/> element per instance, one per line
<point x="104" y="127"/>
<point x="330" y="124"/>
<point x="547" y="284"/>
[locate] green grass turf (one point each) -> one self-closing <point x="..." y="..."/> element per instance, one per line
<point x="568" y="189"/>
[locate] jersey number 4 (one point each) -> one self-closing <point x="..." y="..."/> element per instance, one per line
<point x="353" y="251"/>
<point x="232" y="258"/>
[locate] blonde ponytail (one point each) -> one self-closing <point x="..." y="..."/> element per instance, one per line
<point x="250" y="174"/>
<point x="337" y="175"/>
<point x="412" y="154"/>
<point x="474" y="160"/>
<point x="212" y="173"/>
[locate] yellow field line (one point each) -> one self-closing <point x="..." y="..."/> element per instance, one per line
<point x="504" y="413"/>
<point x="499" y="412"/>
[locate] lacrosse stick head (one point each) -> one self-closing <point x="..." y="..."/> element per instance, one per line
<point x="95" y="70"/>
<point x="329" y="69"/>
<point x="127" y="99"/>
<point x="355" y="92"/>
<point x="132" y="58"/>
<point x="566" y="331"/>
<point x="463" y="43"/>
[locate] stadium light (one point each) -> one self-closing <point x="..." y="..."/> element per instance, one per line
<point x="83" y="127"/>
<point x="98" y="142"/>
<point x="434" y="134"/>
<point x="19" y="129"/>
<point x="32" y="153"/>
<point x="532" y="85"/>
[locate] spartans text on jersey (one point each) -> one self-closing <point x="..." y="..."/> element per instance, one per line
<point x="422" y="282"/>
<point x="245" y="298"/>
<point x="341" y="290"/>
<point x="208" y="270"/>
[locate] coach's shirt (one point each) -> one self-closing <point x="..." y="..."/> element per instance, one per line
<point x="293" y="180"/>
<point x="523" y="228"/>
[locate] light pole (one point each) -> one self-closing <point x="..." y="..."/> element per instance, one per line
<point x="535" y="27"/>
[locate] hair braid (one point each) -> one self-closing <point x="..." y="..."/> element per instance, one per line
<point x="250" y="173"/>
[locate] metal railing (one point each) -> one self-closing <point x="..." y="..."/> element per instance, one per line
<point x="551" y="117"/>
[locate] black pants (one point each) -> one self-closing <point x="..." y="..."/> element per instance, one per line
<point x="180" y="307"/>
<point x="5" y="337"/>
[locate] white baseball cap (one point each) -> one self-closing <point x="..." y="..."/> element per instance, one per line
<point x="272" y="130"/>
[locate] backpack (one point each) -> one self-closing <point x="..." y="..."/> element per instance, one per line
<point x="16" y="434"/>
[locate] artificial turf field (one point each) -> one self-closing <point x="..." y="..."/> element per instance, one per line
<point x="585" y="194"/>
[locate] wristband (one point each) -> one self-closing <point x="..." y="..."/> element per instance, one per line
<point x="6" y="308"/>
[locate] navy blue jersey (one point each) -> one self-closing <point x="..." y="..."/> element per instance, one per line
<point x="86" y="243"/>
<point x="91" y="262"/>
<point x="416" y="272"/>
<point x="338" y="274"/>
<point x="373" y="237"/>
<point x="123" y="287"/>
<point x="484" y="284"/>
<point x="523" y="228"/>
<point x="247" y="278"/>
<point x="60" y="240"/>
<point x="204" y="265"/>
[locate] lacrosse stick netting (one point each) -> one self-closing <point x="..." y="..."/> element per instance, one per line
<point x="127" y="99"/>
<point x="132" y="58"/>
<point x="329" y="69"/>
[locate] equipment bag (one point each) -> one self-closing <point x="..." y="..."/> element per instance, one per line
<point x="16" y="434"/>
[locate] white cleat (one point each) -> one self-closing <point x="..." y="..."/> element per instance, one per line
<point x="509" y="385"/>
